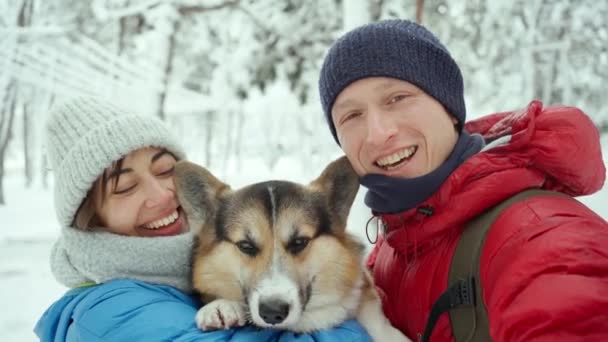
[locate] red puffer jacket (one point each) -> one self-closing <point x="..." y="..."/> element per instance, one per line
<point x="544" y="265"/>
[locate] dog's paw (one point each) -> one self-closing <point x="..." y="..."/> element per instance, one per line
<point x="221" y="314"/>
<point x="395" y="335"/>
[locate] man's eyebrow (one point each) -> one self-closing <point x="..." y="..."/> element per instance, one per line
<point x="386" y="85"/>
<point x="345" y="103"/>
<point x="159" y="154"/>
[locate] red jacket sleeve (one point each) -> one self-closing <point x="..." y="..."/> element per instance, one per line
<point x="544" y="272"/>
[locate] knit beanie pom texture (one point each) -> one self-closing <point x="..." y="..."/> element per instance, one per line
<point x="85" y="136"/>
<point x="398" y="49"/>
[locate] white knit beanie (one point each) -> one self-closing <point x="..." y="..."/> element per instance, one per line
<point x="84" y="136"/>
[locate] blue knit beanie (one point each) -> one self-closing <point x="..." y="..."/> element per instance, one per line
<point x="399" y="49"/>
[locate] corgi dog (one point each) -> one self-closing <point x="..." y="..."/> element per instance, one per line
<point x="277" y="254"/>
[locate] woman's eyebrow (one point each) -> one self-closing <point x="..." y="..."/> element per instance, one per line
<point x="116" y="173"/>
<point x="158" y="155"/>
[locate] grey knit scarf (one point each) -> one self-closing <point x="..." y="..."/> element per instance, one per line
<point x="81" y="257"/>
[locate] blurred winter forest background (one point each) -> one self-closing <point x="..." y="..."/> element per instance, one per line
<point x="237" y="80"/>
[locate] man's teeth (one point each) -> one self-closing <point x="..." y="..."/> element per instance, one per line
<point x="162" y="222"/>
<point x="396" y="157"/>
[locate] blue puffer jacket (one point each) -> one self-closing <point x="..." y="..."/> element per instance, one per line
<point x="131" y="310"/>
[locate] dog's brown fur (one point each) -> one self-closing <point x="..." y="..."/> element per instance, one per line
<point x="276" y="245"/>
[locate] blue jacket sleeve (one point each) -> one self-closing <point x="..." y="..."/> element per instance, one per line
<point x="135" y="311"/>
<point x="130" y="311"/>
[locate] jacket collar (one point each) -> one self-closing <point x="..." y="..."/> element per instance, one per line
<point x="555" y="148"/>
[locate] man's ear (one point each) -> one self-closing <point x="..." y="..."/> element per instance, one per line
<point x="340" y="183"/>
<point x="198" y="192"/>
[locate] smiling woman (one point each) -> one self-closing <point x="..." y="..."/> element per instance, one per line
<point x="135" y="196"/>
<point x="125" y="247"/>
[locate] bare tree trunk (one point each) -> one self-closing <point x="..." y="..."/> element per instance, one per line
<point x="27" y="153"/>
<point x="210" y="116"/>
<point x="476" y="12"/>
<point x="419" y="10"/>
<point x="602" y="126"/>
<point x="240" y="121"/>
<point x="25" y="19"/>
<point x="375" y="9"/>
<point x="561" y="93"/>
<point x="45" y="167"/>
<point x="122" y="32"/>
<point x="533" y="77"/>
<point x="168" y="69"/>
<point x="229" y="146"/>
<point x="10" y="101"/>
<point x="6" y="124"/>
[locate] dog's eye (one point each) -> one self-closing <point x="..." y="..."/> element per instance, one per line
<point x="296" y="245"/>
<point x="247" y="247"/>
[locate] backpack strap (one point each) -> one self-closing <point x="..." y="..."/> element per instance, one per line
<point x="463" y="298"/>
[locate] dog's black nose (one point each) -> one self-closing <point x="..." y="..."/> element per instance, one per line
<point x="273" y="311"/>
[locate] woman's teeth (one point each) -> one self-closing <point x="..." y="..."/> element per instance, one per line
<point x="162" y="222"/>
<point x="395" y="159"/>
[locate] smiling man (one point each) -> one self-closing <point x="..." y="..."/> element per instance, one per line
<point x="393" y="98"/>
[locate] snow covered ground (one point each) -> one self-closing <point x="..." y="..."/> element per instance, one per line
<point x="29" y="227"/>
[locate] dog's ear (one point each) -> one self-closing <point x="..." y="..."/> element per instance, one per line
<point x="198" y="192"/>
<point x="340" y="184"/>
